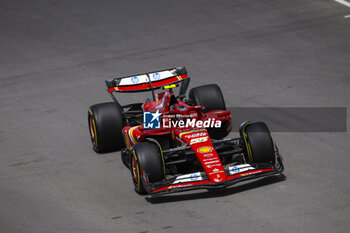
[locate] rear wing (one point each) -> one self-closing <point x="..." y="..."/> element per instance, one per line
<point x="148" y="81"/>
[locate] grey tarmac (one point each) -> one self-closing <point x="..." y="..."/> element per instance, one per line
<point x="55" y="56"/>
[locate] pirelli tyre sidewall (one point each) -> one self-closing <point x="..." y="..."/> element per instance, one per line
<point x="146" y="166"/>
<point x="105" y="126"/>
<point x="258" y="143"/>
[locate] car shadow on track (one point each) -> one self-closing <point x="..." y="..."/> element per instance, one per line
<point x="216" y="193"/>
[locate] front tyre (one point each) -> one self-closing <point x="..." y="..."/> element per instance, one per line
<point x="146" y="165"/>
<point x="258" y="144"/>
<point x="105" y="126"/>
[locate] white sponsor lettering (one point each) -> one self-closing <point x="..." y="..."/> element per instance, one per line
<point x="213" y="165"/>
<point x="240" y="168"/>
<point x="209" y="159"/>
<point x="188" y="178"/>
<point x="215" y="171"/>
<point x="215" y="161"/>
<point x="196" y="135"/>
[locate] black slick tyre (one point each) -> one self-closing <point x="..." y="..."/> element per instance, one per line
<point x="105" y="126"/>
<point x="147" y="165"/>
<point x="258" y="144"/>
<point x="210" y="97"/>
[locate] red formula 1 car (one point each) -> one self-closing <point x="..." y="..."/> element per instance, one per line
<point x="173" y="143"/>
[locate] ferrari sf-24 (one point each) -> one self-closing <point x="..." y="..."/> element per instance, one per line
<point x="174" y="143"/>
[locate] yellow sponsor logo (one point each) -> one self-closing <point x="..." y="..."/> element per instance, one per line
<point x="205" y="149"/>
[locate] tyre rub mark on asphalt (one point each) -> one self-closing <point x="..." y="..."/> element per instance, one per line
<point x="26" y="163"/>
<point x="141" y="212"/>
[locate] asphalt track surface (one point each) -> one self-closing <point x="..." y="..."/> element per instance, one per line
<point x="55" y="56"/>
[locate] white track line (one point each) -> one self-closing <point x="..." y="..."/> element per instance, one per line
<point x="345" y="3"/>
<point x="347" y="16"/>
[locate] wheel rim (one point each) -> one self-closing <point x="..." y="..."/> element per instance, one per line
<point x="134" y="170"/>
<point x="92" y="130"/>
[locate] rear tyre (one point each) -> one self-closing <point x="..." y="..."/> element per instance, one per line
<point x="105" y="126"/>
<point x="259" y="147"/>
<point x="146" y="166"/>
<point x="210" y="96"/>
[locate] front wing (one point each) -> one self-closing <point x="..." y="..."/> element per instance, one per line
<point x="199" y="180"/>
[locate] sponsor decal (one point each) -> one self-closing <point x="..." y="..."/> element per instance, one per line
<point x="205" y="149"/>
<point x="209" y="159"/>
<point x="194" y="177"/>
<point x="213" y="165"/>
<point x="192" y="133"/>
<point x="196" y="135"/>
<point x="234" y="170"/>
<point x="156" y="76"/>
<point x="188" y="178"/>
<point x="240" y="168"/>
<point x="198" y="140"/>
<point x="215" y="161"/>
<point x="208" y="155"/>
<point x="250" y="173"/>
<point x="215" y="170"/>
<point x="135" y="79"/>
<point x="151" y="120"/>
